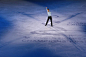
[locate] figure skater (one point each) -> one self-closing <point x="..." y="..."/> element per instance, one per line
<point x="49" y="17"/>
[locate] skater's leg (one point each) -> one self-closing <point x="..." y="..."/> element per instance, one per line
<point x="47" y="21"/>
<point x="51" y="21"/>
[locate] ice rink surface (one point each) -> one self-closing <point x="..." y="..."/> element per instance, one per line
<point x="23" y="32"/>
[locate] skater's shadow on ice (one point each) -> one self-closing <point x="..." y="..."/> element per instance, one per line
<point x="29" y="15"/>
<point x="44" y="32"/>
<point x="69" y="17"/>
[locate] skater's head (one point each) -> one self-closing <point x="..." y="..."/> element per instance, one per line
<point x="48" y="10"/>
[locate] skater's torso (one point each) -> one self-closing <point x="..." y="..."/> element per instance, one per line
<point x="49" y="13"/>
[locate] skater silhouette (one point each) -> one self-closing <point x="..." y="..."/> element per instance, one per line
<point x="49" y="17"/>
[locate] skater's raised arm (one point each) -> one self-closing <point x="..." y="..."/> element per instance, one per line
<point x="48" y="12"/>
<point x="46" y="8"/>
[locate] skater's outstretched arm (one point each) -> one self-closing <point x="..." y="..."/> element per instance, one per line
<point x="46" y="8"/>
<point x="48" y="12"/>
